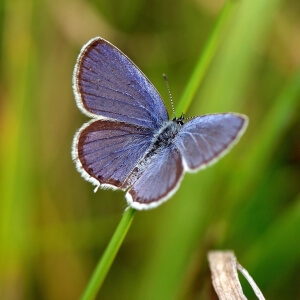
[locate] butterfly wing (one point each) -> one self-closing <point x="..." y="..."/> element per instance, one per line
<point x="107" y="84"/>
<point x="159" y="180"/>
<point x="205" y="139"/>
<point x="106" y="151"/>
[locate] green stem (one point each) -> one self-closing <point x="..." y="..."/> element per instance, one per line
<point x="205" y="58"/>
<point x="108" y="256"/>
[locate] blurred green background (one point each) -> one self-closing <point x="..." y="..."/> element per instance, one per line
<point x="54" y="228"/>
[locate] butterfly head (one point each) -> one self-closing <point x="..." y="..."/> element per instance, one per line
<point x="180" y="120"/>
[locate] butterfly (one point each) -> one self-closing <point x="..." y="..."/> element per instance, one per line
<point x="130" y="143"/>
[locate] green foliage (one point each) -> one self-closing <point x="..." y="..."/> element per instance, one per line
<point x="53" y="228"/>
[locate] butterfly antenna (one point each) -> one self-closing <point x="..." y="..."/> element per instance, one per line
<point x="190" y="118"/>
<point x="170" y="95"/>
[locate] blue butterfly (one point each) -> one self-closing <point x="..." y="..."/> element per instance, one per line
<point x="130" y="143"/>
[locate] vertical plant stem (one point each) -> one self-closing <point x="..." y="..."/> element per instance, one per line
<point x="205" y="58"/>
<point x="108" y="256"/>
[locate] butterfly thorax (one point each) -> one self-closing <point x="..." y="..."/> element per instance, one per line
<point x="166" y="134"/>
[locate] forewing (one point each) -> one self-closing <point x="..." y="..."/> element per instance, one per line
<point x="108" y="84"/>
<point x="106" y="151"/>
<point x="203" y="140"/>
<point x="158" y="182"/>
